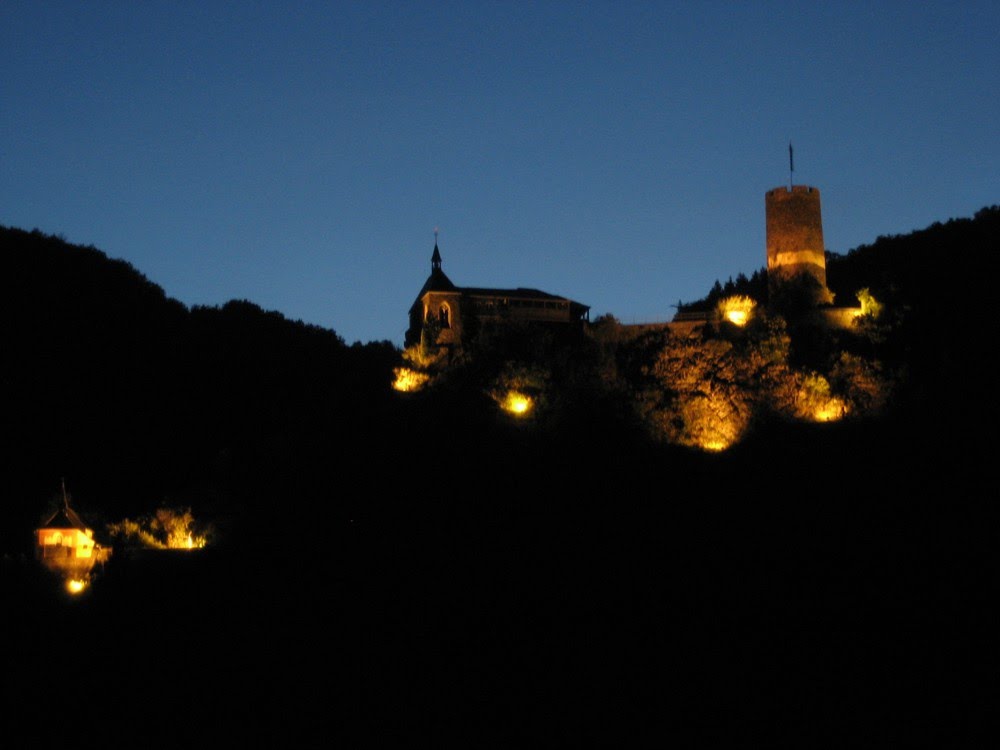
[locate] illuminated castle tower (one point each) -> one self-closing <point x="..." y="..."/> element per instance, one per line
<point x="795" y="236"/>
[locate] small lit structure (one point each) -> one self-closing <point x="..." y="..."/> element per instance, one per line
<point x="65" y="545"/>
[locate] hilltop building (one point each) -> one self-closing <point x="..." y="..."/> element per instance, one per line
<point x="794" y="224"/>
<point x="455" y="311"/>
<point x="795" y="248"/>
<point x="65" y="545"/>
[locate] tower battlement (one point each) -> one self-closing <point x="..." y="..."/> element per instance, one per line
<point x="795" y="189"/>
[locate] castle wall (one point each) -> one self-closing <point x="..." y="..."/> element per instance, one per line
<point x="794" y="234"/>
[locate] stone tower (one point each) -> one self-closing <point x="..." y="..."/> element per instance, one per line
<point x="795" y="237"/>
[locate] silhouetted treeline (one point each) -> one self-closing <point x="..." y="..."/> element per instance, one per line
<point x="754" y="286"/>
<point x="137" y="400"/>
<point x="939" y="286"/>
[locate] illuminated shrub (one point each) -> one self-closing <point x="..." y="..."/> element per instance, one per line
<point x="165" y="529"/>
<point x="712" y="422"/>
<point x="814" y="401"/>
<point x="864" y="383"/>
<point x="408" y="381"/>
<point x="869" y="305"/>
<point x="737" y="309"/>
<point x="424" y="358"/>
<point x="519" y="388"/>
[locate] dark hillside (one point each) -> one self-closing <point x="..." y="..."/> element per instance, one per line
<point x="421" y="566"/>
<point x="138" y="401"/>
<point x="940" y="287"/>
<point x="92" y="352"/>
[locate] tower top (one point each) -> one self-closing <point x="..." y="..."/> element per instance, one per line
<point x="436" y="255"/>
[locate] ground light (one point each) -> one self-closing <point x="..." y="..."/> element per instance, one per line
<point x="517" y="403"/>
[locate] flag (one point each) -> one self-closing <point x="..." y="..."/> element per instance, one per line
<point x="791" y="163"/>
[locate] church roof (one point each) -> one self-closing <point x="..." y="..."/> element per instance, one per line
<point x="436" y="282"/>
<point x="519" y="293"/>
<point x="439" y="282"/>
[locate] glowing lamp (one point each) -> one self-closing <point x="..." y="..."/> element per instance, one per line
<point x="516" y="403"/>
<point x="737" y="309"/>
<point x="831" y="411"/>
<point x="714" y="446"/>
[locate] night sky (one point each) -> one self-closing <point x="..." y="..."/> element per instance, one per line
<point x="300" y="154"/>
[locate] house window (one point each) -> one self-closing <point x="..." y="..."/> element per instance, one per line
<point x="444" y="316"/>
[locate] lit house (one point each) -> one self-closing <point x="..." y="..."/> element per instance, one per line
<point x="65" y="545"/>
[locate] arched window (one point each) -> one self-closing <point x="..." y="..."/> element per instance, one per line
<point x="444" y="315"/>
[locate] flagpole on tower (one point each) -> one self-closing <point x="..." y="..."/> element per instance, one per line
<point x="791" y="165"/>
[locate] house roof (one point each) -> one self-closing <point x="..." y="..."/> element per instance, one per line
<point x="64" y="518"/>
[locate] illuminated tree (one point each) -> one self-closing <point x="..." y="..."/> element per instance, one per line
<point x="736" y="309"/>
<point x="166" y="528"/>
<point x="706" y="402"/>
<point x="864" y="383"/>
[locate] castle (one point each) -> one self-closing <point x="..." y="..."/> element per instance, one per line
<point x="795" y="249"/>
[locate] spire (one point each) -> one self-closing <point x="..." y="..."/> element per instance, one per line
<point x="436" y="257"/>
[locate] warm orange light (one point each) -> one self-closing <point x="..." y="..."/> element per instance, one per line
<point x="517" y="403"/>
<point x="185" y="541"/>
<point x="737" y="309"/>
<point x="75" y="585"/>
<point x="408" y="380"/>
<point x="815" y="403"/>
<point x="182" y="540"/>
<point x="714" y="446"/>
<point x="869" y="305"/>
<point x="831" y="411"/>
<point x="712" y="423"/>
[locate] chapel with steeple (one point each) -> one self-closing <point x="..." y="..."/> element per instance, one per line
<point x="453" y="311"/>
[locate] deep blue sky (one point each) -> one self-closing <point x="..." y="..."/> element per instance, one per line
<point x="301" y="154"/>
